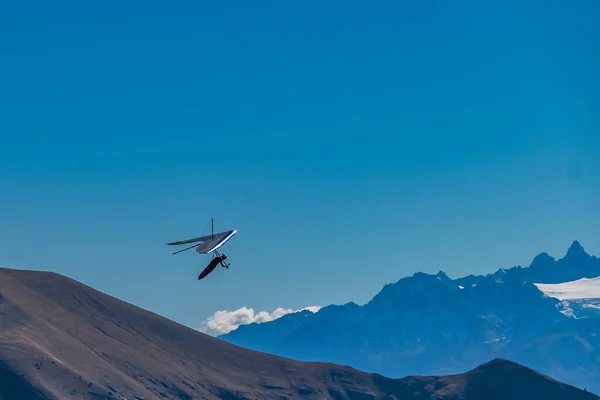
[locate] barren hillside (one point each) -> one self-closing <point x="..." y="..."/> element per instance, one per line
<point x="60" y="339"/>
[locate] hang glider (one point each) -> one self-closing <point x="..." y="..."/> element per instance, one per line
<point x="208" y="244"/>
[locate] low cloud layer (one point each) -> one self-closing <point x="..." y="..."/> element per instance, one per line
<point x="223" y="322"/>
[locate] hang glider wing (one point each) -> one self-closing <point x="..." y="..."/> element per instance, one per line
<point x="207" y="244"/>
<point x="198" y="239"/>
<point x="215" y="242"/>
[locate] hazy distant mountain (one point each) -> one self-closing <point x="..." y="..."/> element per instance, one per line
<point x="575" y="265"/>
<point x="431" y="324"/>
<point x="60" y="339"/>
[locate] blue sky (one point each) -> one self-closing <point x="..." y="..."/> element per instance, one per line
<point x="349" y="144"/>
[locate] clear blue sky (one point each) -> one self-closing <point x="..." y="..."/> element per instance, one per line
<point x="350" y="144"/>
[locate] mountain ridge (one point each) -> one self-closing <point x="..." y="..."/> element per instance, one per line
<point x="424" y="318"/>
<point x="62" y="339"/>
<point x="546" y="269"/>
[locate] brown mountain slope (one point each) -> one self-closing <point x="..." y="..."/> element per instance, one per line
<point x="60" y="339"/>
<point x="496" y="380"/>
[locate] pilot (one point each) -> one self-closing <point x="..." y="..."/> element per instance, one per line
<point x="223" y="258"/>
<point x="213" y="263"/>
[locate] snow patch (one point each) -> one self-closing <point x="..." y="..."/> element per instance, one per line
<point x="578" y="299"/>
<point x="586" y="288"/>
<point x="566" y="310"/>
<point x="501" y="339"/>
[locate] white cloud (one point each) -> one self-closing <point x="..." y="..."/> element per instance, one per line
<point x="225" y="321"/>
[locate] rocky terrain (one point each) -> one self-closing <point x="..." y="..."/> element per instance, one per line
<point x="60" y="339"/>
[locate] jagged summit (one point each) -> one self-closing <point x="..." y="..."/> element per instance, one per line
<point x="542" y="259"/>
<point x="576" y="264"/>
<point x="576" y="250"/>
<point x="423" y="276"/>
<point x="442" y="275"/>
<point x="420" y="283"/>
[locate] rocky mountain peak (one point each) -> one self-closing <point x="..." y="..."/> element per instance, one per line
<point x="576" y="251"/>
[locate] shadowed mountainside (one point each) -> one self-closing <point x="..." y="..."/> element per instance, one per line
<point x="433" y="325"/>
<point x="60" y="339"/>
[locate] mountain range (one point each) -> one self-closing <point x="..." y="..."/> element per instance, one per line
<point x="60" y="339"/>
<point x="432" y="324"/>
